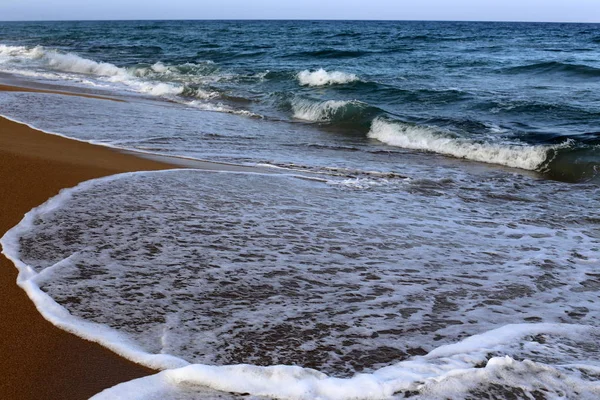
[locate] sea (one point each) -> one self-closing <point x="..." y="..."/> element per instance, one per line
<point x="395" y="209"/>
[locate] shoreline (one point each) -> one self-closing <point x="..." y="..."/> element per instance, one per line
<point x="39" y="360"/>
<point x="11" y="88"/>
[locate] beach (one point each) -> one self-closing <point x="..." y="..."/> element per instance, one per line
<point x="40" y="361"/>
<point x="352" y="211"/>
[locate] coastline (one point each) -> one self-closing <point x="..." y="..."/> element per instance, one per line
<point x="37" y="359"/>
<point x="417" y="219"/>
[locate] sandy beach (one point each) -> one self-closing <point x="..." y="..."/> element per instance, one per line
<point x="319" y="204"/>
<point x="38" y="360"/>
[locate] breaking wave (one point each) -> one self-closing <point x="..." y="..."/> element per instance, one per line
<point x="322" y="77"/>
<point x="59" y="61"/>
<point x="424" y="138"/>
<point x="334" y="111"/>
<point x="159" y="79"/>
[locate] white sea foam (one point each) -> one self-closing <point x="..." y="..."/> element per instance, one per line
<point x="160" y="68"/>
<point x="417" y="137"/>
<point x="222" y="108"/>
<point x="30" y="281"/>
<point x="158" y="80"/>
<point x="160" y="89"/>
<point x="450" y="372"/>
<point x="73" y="63"/>
<point x="161" y="80"/>
<point x="361" y="183"/>
<point x="188" y="72"/>
<point x="322" y="77"/>
<point x="12" y="56"/>
<point x="269" y="270"/>
<point x="55" y="60"/>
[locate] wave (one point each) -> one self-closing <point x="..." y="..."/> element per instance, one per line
<point x="579" y="162"/>
<point x="181" y="83"/>
<point x="555" y="67"/>
<point x="329" y="53"/>
<point x="222" y="108"/>
<point x="556" y="108"/>
<point x="350" y="34"/>
<point x="55" y="60"/>
<point x="223" y="55"/>
<point x="321" y="77"/>
<point x="334" y="111"/>
<point x="434" y="140"/>
<point x="180" y="72"/>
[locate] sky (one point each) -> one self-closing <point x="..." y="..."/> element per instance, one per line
<point x="469" y="10"/>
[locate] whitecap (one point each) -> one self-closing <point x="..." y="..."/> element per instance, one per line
<point x="322" y="77"/>
<point x="416" y="137"/>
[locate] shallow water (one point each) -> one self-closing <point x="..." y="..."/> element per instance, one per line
<point x="340" y="276"/>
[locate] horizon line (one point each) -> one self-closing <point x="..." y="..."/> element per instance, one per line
<point x="299" y="20"/>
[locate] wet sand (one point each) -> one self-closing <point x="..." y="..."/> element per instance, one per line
<point x="38" y="360"/>
<point x="10" y="88"/>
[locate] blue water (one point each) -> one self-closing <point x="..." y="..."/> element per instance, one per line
<point x="449" y="189"/>
<point x="508" y="86"/>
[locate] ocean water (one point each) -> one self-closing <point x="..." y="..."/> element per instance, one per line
<point x="423" y="221"/>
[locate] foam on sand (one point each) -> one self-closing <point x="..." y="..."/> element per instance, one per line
<point x="241" y="276"/>
<point x="30" y="281"/>
<point x="451" y="371"/>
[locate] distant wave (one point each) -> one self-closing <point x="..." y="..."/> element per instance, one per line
<point x="429" y="139"/>
<point x="349" y="34"/>
<point x="60" y="61"/>
<point x="179" y="72"/>
<point x="429" y="38"/>
<point x="322" y="77"/>
<point x="330" y="53"/>
<point x="555" y="67"/>
<point x="181" y="82"/>
<point x="53" y="60"/>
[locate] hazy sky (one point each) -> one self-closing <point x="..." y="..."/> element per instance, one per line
<point x="487" y="10"/>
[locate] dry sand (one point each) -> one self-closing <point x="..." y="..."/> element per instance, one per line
<point x="38" y="360"/>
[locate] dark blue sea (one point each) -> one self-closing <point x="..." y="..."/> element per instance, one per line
<point x="395" y="209"/>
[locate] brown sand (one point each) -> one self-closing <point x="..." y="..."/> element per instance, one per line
<point x="38" y="360"/>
